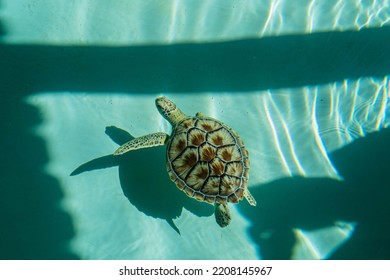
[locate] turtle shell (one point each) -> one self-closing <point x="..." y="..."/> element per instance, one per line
<point x="208" y="161"/>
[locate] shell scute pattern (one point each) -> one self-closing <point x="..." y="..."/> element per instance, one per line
<point x="234" y="169"/>
<point x="196" y="137"/>
<point x="208" y="124"/>
<point x="179" y="143"/>
<point x="220" y="137"/>
<point x="197" y="176"/>
<point x="208" y="161"/>
<point x="186" y="125"/>
<point x="185" y="162"/>
<point x="217" y="167"/>
<point x="207" y="152"/>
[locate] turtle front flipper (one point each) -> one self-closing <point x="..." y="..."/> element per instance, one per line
<point x="146" y="141"/>
<point x="222" y="214"/>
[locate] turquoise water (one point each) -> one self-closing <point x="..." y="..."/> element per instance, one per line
<point x="305" y="84"/>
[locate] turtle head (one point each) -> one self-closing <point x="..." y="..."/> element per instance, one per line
<point x="222" y="214"/>
<point x="169" y="110"/>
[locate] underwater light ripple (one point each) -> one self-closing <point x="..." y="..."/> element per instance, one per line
<point x="384" y="103"/>
<point x="300" y="235"/>
<point x="353" y="102"/>
<point x="276" y="138"/>
<point x="311" y="16"/>
<point x="337" y="8"/>
<point x="273" y="6"/>
<point x="288" y="137"/>
<point x="315" y="128"/>
<point x="173" y="20"/>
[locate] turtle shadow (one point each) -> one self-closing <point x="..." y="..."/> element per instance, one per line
<point x="145" y="182"/>
<point x="315" y="203"/>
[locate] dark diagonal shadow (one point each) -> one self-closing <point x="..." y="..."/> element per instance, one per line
<point x="314" y="203"/>
<point x="145" y="182"/>
<point x="242" y="65"/>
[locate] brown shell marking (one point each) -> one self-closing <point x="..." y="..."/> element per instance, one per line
<point x="197" y="176"/>
<point x="207" y="152"/>
<point x="185" y="162"/>
<point x="230" y="153"/>
<point x="234" y="169"/>
<point x="185" y="125"/>
<point x="208" y="161"/>
<point x="217" y="167"/>
<point x="207" y="124"/>
<point x="221" y="137"/>
<point x="196" y="137"/>
<point x="212" y="186"/>
<point x="179" y="143"/>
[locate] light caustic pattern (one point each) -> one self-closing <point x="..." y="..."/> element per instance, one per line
<point x="174" y="21"/>
<point x="354" y="109"/>
<point x="310" y="16"/>
<point x="302" y="126"/>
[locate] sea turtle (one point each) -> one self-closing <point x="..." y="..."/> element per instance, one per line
<point x="205" y="158"/>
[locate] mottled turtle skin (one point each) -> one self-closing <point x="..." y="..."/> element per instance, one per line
<point x="206" y="159"/>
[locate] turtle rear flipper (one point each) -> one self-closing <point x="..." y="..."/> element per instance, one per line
<point x="222" y="214"/>
<point x="146" y="141"/>
<point x="250" y="198"/>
